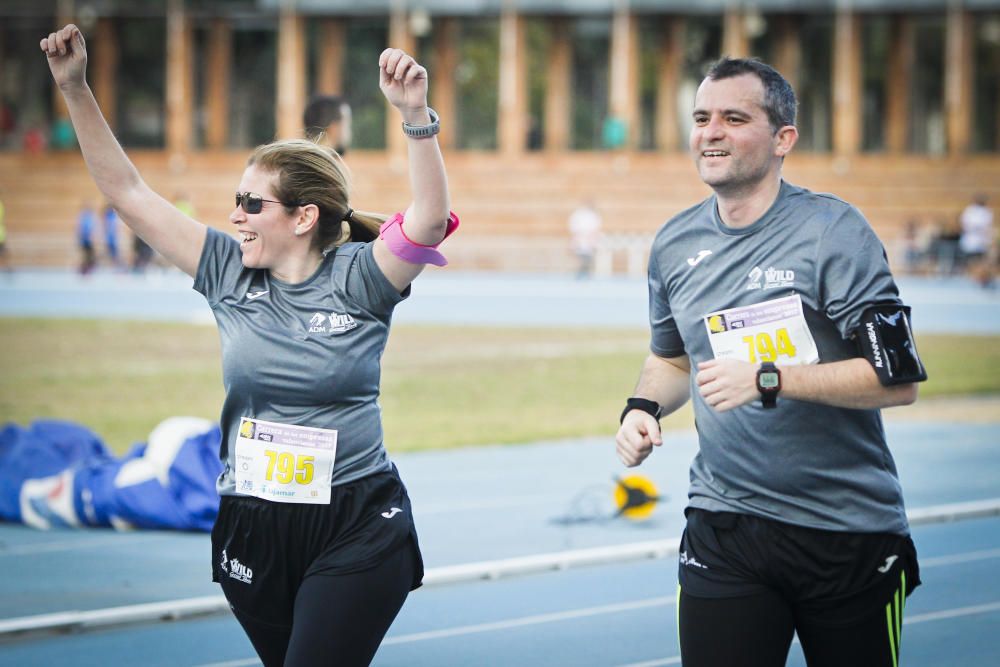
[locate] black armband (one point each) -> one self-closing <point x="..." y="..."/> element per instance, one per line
<point x="884" y="338"/>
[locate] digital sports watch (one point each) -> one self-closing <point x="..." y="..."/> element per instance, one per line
<point x="768" y="384"/>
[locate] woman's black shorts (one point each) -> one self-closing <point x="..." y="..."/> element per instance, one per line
<point x="263" y="550"/>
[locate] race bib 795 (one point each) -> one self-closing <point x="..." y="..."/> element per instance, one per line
<point x="283" y="462"/>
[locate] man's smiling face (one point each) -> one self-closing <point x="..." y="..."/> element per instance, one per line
<point x="732" y="142"/>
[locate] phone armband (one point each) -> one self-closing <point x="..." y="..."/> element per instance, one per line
<point x="885" y="340"/>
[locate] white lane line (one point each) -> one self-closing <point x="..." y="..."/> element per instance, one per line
<point x="942" y="615"/>
<point x="920" y="516"/>
<point x="100" y="538"/>
<point x="451" y="507"/>
<point x="952" y="613"/>
<point x="654" y="663"/>
<point x="611" y="609"/>
<point x="136" y="613"/>
<point x="955" y="559"/>
<point x="530" y="620"/>
<point x="67" y="545"/>
<point x="453" y="574"/>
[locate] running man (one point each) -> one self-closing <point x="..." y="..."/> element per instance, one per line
<point x="773" y="308"/>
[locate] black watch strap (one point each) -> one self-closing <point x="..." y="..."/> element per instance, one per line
<point x="769" y="400"/>
<point x="644" y="404"/>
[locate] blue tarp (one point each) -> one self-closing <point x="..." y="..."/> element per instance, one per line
<point x="60" y="474"/>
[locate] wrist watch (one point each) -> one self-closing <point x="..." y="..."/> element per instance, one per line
<point x="423" y="131"/>
<point x="644" y="404"/>
<point x="768" y="384"/>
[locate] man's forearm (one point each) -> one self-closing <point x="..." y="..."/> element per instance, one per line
<point x="666" y="381"/>
<point x="847" y="384"/>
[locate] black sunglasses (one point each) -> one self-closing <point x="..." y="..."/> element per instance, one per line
<point x="252" y="202"/>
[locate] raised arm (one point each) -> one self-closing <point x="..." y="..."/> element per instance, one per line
<point x="167" y="230"/>
<point x="404" y="83"/>
<point x="665" y="382"/>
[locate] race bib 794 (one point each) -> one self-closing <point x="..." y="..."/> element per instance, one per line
<point x="774" y="330"/>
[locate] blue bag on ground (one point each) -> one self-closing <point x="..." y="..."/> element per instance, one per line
<point x="60" y="474"/>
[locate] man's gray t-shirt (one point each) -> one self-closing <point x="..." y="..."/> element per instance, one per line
<point x="801" y="463"/>
<point x="307" y="354"/>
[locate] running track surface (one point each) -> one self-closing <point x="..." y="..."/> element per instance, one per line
<point x="502" y="502"/>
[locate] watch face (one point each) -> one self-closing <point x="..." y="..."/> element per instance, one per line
<point x="767" y="380"/>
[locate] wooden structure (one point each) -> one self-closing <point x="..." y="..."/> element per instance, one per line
<point x="514" y="193"/>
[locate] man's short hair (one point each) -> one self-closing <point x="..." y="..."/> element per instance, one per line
<point x="779" y="98"/>
<point x="321" y="111"/>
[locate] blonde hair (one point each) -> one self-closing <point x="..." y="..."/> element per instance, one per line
<point x="308" y="173"/>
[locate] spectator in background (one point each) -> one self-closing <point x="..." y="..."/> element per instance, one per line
<point x="62" y="135"/>
<point x="142" y="254"/>
<point x="585" y="235"/>
<point x="3" y="238"/>
<point x="946" y="253"/>
<point x="110" y="219"/>
<point x="976" y="241"/>
<point x="327" y="121"/>
<point x="86" y="224"/>
<point x="918" y="246"/>
<point x="34" y="141"/>
<point x="183" y="204"/>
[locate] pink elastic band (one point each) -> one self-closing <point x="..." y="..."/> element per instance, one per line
<point x="402" y="246"/>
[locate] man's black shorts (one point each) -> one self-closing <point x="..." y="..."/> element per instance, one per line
<point x="262" y="550"/>
<point x="836" y="576"/>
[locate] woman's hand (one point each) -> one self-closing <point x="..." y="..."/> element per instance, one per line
<point x="404" y="83"/>
<point x="67" y="54"/>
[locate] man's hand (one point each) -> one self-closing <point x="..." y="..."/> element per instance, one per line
<point x="67" y="55"/>
<point x="638" y="434"/>
<point x="727" y="383"/>
<point x="404" y="83"/>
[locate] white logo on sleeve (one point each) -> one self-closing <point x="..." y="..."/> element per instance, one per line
<point x="391" y="513"/>
<point x="702" y="254"/>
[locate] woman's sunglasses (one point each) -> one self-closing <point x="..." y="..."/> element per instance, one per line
<point x="252" y="202"/>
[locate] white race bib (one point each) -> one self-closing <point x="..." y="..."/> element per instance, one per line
<point x="774" y="330"/>
<point x="284" y="463"/>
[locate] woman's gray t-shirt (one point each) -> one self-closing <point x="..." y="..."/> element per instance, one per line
<point x="307" y="354"/>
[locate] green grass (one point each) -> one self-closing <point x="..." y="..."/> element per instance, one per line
<point x="442" y="387"/>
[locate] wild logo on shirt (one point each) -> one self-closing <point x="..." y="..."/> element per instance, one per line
<point x="772" y="278"/>
<point x="334" y="323"/>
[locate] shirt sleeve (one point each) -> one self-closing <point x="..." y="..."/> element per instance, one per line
<point x="364" y="282"/>
<point x="853" y="271"/>
<point x="665" y="338"/>
<point x="219" y="266"/>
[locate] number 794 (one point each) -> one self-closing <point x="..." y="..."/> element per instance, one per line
<point x="762" y="347"/>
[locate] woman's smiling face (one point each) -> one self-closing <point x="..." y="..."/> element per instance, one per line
<point x="267" y="236"/>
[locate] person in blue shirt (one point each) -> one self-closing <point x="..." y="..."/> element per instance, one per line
<point x="86" y="226"/>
